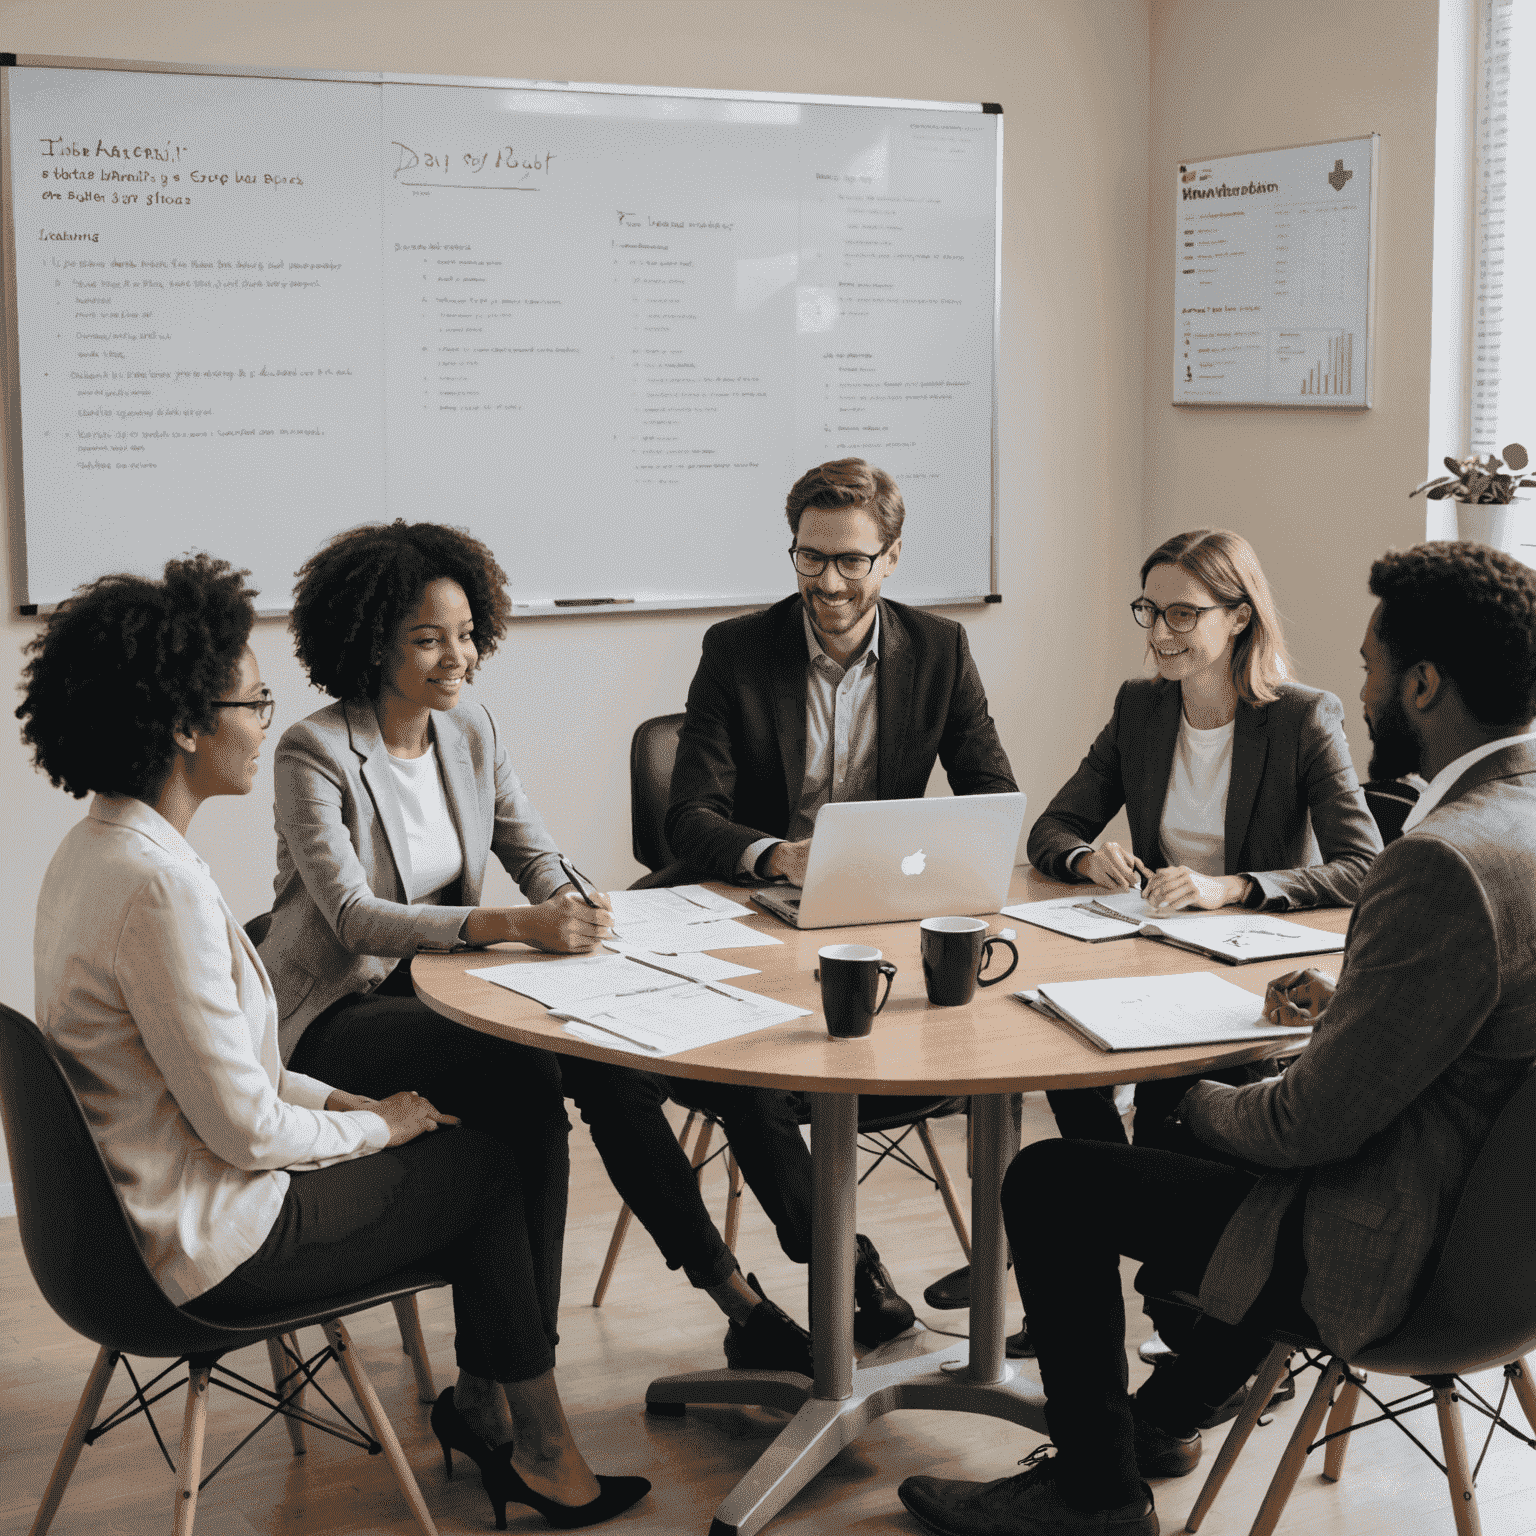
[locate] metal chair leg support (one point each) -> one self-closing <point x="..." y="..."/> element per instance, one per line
<point x="1340" y="1419"/>
<point x="946" y="1189"/>
<point x="415" y="1345"/>
<point x="1519" y="1374"/>
<point x="701" y="1147"/>
<point x="1295" y="1455"/>
<point x="1457" y="1470"/>
<point x="189" y="1459"/>
<point x="282" y="1374"/>
<point x="1257" y="1401"/>
<point x="378" y="1421"/>
<point x="74" y="1438"/>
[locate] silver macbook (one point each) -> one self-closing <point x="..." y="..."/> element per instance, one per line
<point x="891" y="861"/>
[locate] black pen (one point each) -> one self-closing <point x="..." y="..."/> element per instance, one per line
<point x="584" y="887"/>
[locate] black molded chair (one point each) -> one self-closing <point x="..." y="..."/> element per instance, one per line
<point x="1479" y="1311"/>
<point x="1390" y="801"/>
<point x="84" y="1258"/>
<point x="413" y="1342"/>
<point x="652" y="755"/>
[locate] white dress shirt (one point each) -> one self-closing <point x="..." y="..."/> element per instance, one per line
<point x="166" y="1024"/>
<point x="1448" y="775"/>
<point x="435" y="854"/>
<point x="841" y="723"/>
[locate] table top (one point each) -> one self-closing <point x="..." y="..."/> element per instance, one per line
<point x="995" y="1044"/>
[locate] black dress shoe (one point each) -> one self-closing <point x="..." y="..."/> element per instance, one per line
<point x="880" y="1313"/>
<point x="1161" y="1454"/>
<point x="1019" y="1346"/>
<point x="769" y="1340"/>
<point x="952" y="1291"/>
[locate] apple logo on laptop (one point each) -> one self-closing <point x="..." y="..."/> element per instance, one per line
<point x="914" y="863"/>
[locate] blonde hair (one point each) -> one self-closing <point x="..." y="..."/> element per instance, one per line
<point x="1225" y="564"/>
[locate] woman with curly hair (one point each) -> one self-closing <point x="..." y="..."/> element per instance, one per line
<point x="249" y="1184"/>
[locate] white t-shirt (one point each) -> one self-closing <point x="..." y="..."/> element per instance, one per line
<point x="432" y="840"/>
<point x="1194" y="826"/>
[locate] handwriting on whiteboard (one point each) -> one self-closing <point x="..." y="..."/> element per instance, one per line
<point x="505" y="167"/>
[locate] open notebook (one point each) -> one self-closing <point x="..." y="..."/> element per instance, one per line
<point x="1148" y="1013"/>
<point x="1234" y="937"/>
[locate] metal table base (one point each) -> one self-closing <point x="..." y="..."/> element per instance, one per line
<point x="844" y="1399"/>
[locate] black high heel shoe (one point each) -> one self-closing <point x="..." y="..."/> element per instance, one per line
<point x="503" y="1484"/>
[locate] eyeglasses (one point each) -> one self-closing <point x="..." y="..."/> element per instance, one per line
<point x="853" y="566"/>
<point x="265" y="706"/>
<point x="1179" y="617"/>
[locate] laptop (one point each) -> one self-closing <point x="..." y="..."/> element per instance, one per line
<point x="892" y="861"/>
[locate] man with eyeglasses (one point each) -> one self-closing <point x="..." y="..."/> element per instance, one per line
<point x="835" y="693"/>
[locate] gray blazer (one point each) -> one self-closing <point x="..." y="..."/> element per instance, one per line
<point x="1293" y="794"/>
<point x="340" y="917"/>
<point x="1432" y="1027"/>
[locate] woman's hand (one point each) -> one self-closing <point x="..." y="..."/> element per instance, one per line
<point x="408" y="1116"/>
<point x="1177" y="887"/>
<point x="565" y="923"/>
<point x="1112" y="867"/>
<point x="1298" y="997"/>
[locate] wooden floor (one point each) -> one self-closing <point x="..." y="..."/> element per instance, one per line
<point x="653" y="1323"/>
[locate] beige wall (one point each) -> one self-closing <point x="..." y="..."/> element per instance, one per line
<point x="1320" y="495"/>
<point x="1073" y="78"/>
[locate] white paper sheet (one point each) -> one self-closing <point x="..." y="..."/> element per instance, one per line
<point x="680" y="1019"/>
<point x="694" y="967"/>
<point x="688" y="938"/>
<point x="677" y="904"/>
<point x="566" y="983"/>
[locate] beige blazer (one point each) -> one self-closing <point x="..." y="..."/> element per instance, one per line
<point x="1432" y="1028"/>
<point x="341" y="920"/>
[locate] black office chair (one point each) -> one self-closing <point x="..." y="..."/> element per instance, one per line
<point x="83" y="1256"/>
<point x="652" y="754"/>
<point x="1390" y="801"/>
<point x="1479" y="1311"/>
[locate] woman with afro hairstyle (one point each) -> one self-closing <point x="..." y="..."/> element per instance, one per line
<point x="248" y="1184"/>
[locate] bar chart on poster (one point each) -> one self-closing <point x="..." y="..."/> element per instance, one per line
<point x="1273" y="277"/>
<point x="604" y="328"/>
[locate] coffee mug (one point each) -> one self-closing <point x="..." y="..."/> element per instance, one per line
<point x="955" y="952"/>
<point x="850" y="976"/>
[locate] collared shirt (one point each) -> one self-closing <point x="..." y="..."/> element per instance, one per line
<point x="166" y="1024"/>
<point x="841" y="723"/>
<point x="1448" y="775"/>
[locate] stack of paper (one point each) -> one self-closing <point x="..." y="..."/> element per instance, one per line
<point x="1145" y="1013"/>
<point x="685" y="919"/>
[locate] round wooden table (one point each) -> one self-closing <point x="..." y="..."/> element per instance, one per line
<point x="991" y="1048"/>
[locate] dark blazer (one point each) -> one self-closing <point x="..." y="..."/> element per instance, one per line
<point x="741" y="754"/>
<point x="1432" y="1028"/>
<point x="341" y="918"/>
<point x="1291" y="779"/>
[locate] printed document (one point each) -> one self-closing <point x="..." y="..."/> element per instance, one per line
<point x="679" y="1018"/>
<point x="567" y="983"/>
<point x="669" y="938"/>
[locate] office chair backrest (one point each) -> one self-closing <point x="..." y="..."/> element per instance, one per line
<point x="1389" y="802"/>
<point x="77" y="1240"/>
<point x="652" y="755"/>
<point x="1479" y="1308"/>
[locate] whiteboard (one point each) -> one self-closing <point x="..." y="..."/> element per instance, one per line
<point x="604" y="328"/>
<point x="1273" y="277"/>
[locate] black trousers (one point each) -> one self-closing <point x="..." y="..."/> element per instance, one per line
<point x="623" y="1108"/>
<point x="1072" y="1208"/>
<point x="382" y="1044"/>
<point x="1090" y="1113"/>
<point x="451" y="1199"/>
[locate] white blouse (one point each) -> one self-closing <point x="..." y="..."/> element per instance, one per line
<point x="1194" y="826"/>
<point x="166" y="1024"/>
<point x="432" y="840"/>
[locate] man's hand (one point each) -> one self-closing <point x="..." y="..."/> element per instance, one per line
<point x="565" y="923"/>
<point x="1112" y="867"/>
<point x="1177" y="887"/>
<point x="1298" y="997"/>
<point x="787" y="861"/>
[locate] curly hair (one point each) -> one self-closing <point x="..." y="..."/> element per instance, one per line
<point x="848" y="483"/>
<point x="126" y="662"/>
<point x="1469" y="609"/>
<point x="355" y="592"/>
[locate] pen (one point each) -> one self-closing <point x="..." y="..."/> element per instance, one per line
<point x="584" y="887"/>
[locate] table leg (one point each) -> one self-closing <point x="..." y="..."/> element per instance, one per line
<point x="996" y="1139"/>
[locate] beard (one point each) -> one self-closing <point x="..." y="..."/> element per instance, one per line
<point x="1395" y="749"/>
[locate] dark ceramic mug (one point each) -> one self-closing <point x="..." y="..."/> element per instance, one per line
<point x="850" y="977"/>
<point x="956" y="950"/>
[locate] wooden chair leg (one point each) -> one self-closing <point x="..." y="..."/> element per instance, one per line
<point x="378" y="1422"/>
<point x="946" y="1188"/>
<point x="732" y="1201"/>
<point x="74" y="1437"/>
<point x="1341" y="1418"/>
<point x="701" y="1147"/>
<point x="1457" y="1469"/>
<point x="1519" y="1374"/>
<point x="1295" y="1455"/>
<point x="415" y="1345"/>
<point x="282" y="1371"/>
<point x="189" y="1459"/>
<point x="1257" y="1401"/>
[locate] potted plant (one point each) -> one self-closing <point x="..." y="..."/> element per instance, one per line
<point x="1483" y="487"/>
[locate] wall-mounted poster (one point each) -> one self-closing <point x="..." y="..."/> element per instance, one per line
<point x="1273" y="278"/>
